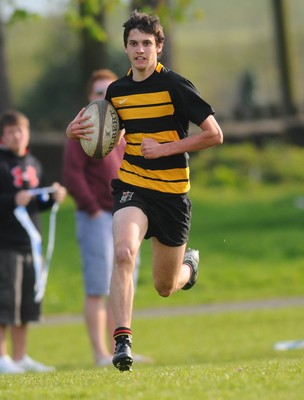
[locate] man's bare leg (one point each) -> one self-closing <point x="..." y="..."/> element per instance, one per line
<point x="129" y="227"/>
<point x="169" y="273"/>
<point x="173" y="268"/>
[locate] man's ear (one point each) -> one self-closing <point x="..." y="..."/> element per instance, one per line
<point x="159" y="48"/>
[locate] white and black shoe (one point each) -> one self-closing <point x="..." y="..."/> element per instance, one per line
<point x="123" y="359"/>
<point x="192" y="259"/>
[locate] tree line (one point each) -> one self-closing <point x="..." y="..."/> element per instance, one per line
<point x="88" y="18"/>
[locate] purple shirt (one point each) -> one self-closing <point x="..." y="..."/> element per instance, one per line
<point x="89" y="180"/>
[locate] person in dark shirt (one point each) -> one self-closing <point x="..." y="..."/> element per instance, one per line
<point x="155" y="106"/>
<point x="20" y="174"/>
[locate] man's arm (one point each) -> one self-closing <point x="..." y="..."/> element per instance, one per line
<point x="210" y="135"/>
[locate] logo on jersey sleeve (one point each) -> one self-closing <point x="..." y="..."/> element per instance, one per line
<point x="126" y="196"/>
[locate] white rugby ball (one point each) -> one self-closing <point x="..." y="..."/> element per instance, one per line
<point x="106" y="129"/>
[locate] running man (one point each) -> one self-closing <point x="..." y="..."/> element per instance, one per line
<point x="155" y="106"/>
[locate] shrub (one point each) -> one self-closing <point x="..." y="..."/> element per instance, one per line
<point x="245" y="165"/>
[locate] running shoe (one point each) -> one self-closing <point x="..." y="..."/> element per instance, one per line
<point x="8" y="366"/>
<point x="104" y="362"/>
<point x="30" y="365"/>
<point x="192" y="259"/>
<point x="123" y="358"/>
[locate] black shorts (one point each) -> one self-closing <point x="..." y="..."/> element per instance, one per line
<point x="17" y="280"/>
<point x="169" y="217"/>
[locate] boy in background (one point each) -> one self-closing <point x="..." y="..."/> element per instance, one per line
<point x="20" y="172"/>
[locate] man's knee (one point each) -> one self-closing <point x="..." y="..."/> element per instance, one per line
<point x="125" y="257"/>
<point x="163" y="289"/>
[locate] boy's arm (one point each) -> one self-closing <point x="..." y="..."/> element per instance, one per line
<point x="210" y="135"/>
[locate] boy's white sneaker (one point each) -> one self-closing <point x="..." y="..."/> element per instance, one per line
<point x="104" y="362"/>
<point x="8" y="366"/>
<point x="30" y="365"/>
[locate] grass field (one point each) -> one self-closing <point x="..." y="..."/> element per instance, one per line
<point x="251" y="248"/>
<point x="251" y="245"/>
<point x="223" y="356"/>
<point x="250" y="242"/>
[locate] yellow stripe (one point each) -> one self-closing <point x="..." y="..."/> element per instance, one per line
<point x="133" y="146"/>
<point x="138" y="100"/>
<point x="160" y="180"/>
<point x="160" y="137"/>
<point x="145" y="112"/>
<point x="133" y="150"/>
<point x="159" y="67"/>
<point x="167" y="174"/>
<point x="144" y="105"/>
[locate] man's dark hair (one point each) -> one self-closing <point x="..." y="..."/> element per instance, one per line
<point x="145" y="23"/>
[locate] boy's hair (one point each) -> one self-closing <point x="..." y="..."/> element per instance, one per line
<point x="145" y="23"/>
<point x="100" y="74"/>
<point x="12" y="117"/>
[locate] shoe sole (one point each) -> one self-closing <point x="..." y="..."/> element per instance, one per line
<point x="123" y="363"/>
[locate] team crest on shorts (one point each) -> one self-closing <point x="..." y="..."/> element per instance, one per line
<point x="126" y="196"/>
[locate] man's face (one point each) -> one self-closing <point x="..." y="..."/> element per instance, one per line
<point x="16" y="138"/>
<point x="99" y="89"/>
<point x="142" y="50"/>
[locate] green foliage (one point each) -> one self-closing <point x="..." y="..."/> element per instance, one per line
<point x="244" y="165"/>
<point x="226" y="32"/>
<point x="60" y="83"/>
<point x="88" y="18"/>
<point x="168" y="11"/>
<point x="58" y="86"/>
<point x="21" y="15"/>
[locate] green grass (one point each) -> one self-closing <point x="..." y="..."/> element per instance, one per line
<point x="213" y="356"/>
<point x="250" y="242"/>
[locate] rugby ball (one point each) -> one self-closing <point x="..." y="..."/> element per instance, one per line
<point x="106" y="129"/>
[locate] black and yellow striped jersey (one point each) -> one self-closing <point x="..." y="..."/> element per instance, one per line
<point x="160" y="108"/>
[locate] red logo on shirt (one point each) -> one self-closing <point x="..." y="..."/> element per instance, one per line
<point x="29" y="175"/>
